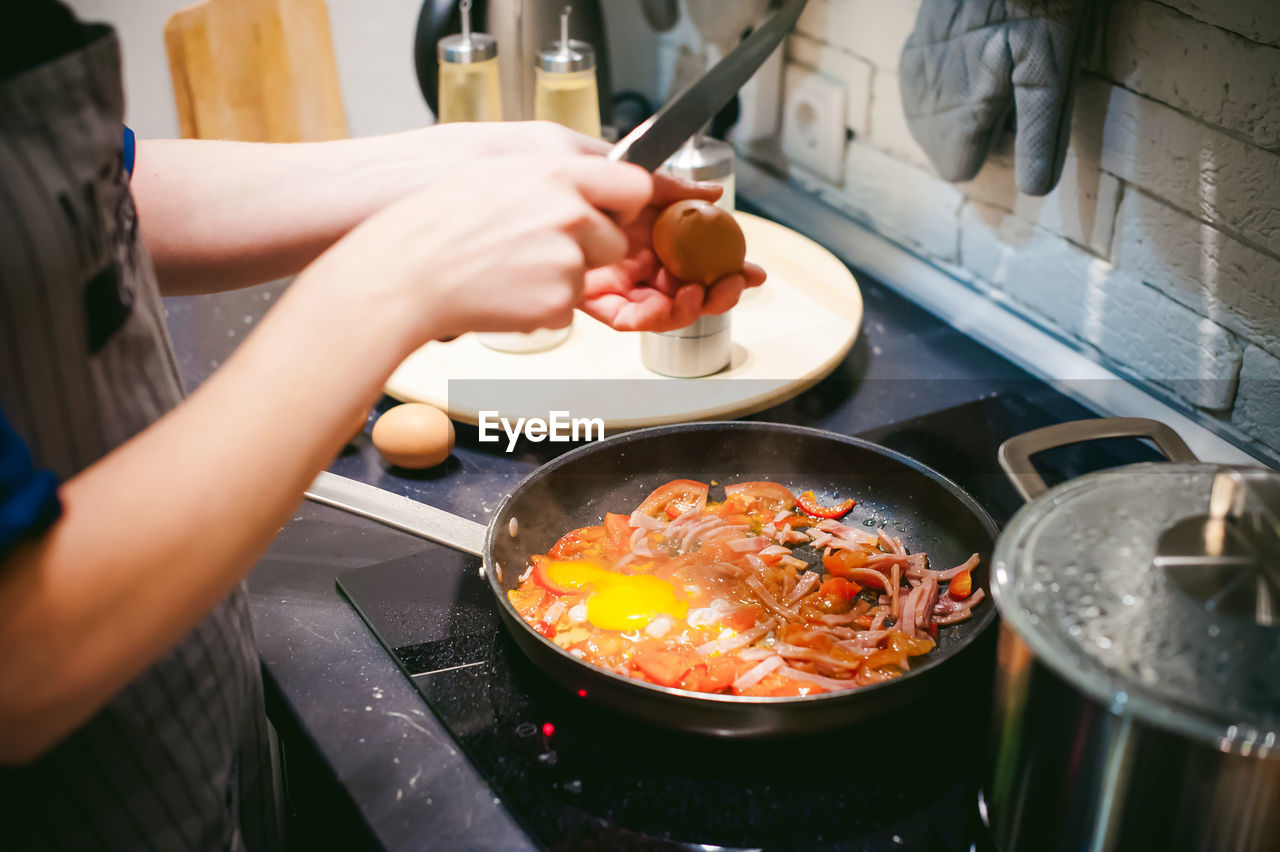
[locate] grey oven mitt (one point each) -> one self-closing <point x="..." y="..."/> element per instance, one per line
<point x="968" y="63"/>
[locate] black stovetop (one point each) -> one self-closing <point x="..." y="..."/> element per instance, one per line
<point x="577" y="777"/>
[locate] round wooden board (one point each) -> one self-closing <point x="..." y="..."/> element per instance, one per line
<point x="788" y="334"/>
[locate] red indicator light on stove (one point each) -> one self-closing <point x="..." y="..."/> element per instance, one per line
<point x="582" y="693"/>
<point x="548" y="729"/>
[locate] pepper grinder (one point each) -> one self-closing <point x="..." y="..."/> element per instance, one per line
<point x="705" y="347"/>
<point x="469" y="85"/>
<point x="565" y="89"/>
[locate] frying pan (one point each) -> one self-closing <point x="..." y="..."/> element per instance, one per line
<point x="928" y="511"/>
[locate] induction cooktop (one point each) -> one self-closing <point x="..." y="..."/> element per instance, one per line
<point x="575" y="776"/>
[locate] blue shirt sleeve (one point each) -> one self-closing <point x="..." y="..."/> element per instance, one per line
<point x="130" y="150"/>
<point x="28" y="497"/>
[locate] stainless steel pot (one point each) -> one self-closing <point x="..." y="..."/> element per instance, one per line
<point x="1138" y="691"/>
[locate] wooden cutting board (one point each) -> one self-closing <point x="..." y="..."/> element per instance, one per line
<point x="787" y="335"/>
<point x="256" y="71"/>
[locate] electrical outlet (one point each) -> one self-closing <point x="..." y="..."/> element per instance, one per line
<point x="813" y="122"/>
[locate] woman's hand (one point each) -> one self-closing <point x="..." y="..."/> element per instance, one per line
<point x="638" y="294"/>
<point x="502" y="244"/>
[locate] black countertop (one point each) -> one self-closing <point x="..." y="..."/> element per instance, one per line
<point x="352" y="725"/>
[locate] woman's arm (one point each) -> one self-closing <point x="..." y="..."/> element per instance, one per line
<point x="156" y="533"/>
<point x="223" y="215"/>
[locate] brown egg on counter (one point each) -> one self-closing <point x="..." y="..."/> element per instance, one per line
<point x="414" y="435"/>
<point x="699" y="242"/>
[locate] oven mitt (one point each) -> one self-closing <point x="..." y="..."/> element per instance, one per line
<point x="968" y="63"/>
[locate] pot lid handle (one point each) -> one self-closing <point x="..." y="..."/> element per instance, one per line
<point x="1015" y="454"/>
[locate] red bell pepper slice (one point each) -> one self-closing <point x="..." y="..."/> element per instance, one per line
<point x="809" y="503"/>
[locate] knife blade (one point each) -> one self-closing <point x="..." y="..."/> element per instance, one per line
<point x="665" y="131"/>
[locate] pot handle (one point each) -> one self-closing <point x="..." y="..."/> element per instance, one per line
<point x="1015" y="454"/>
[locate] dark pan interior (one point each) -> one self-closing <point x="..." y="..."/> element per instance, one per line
<point x="928" y="512"/>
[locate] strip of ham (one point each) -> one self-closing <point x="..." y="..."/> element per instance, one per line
<point x="757" y="673"/>
<point x="792" y="562"/>
<point x="807" y="583"/>
<point x="907" y="620"/>
<point x="830" y="683"/>
<point x="642" y="521"/>
<point x="928" y="598"/>
<point x="895" y="584"/>
<point x="917" y="571"/>
<point x="790" y="536"/>
<point x="811" y="655"/>
<point x="751" y="544"/>
<point x="948" y="604"/>
<point x="818" y="538"/>
<point x="891" y="545"/>
<point x="770" y="602"/>
<point x="733" y="643"/>
<point x="961" y="612"/>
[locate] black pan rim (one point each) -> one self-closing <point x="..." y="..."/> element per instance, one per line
<point x="984" y="622"/>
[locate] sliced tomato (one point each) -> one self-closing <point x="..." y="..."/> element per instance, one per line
<point x="544" y="576"/>
<point x="678" y="496"/>
<point x="961" y="585"/>
<point x="665" y="666"/>
<point x="617" y="530"/>
<point x="742" y="619"/>
<point x="587" y="541"/>
<point x="545" y="629"/>
<point x="849" y="564"/>
<point x="715" y="675"/>
<point x="809" y="503"/>
<point x="839" y="587"/>
<point x="778" y="685"/>
<point x="527" y="598"/>
<point x="771" y="495"/>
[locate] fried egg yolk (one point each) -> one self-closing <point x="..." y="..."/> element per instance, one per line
<point x="617" y="601"/>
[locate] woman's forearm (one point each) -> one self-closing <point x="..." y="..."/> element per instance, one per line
<point x="158" y="531"/>
<point x="222" y="215"/>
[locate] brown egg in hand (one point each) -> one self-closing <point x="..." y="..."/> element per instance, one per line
<point x="414" y="436"/>
<point x="699" y="242"/>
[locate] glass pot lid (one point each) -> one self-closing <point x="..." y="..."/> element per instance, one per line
<point x="1155" y="589"/>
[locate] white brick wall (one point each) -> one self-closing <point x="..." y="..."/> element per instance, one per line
<point x="875" y="30"/>
<point x="889" y="123"/>
<point x="1258" y="20"/>
<point x="1200" y="266"/>
<point x="1115" y="312"/>
<point x="1163" y="54"/>
<point x="1197" y="168"/>
<point x="1159" y="250"/>
<point x="1257" y="409"/>
<point x="1082" y="207"/>
<point x="911" y="205"/>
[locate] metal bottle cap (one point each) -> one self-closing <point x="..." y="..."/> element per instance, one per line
<point x="701" y="158"/>
<point x="466" y="47"/>
<point x="566" y="55"/>
<point x="464" y="50"/>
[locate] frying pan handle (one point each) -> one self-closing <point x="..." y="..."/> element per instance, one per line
<point x="1015" y="454"/>
<point x="398" y="512"/>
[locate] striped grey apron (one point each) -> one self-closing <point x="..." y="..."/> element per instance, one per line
<point x="178" y="759"/>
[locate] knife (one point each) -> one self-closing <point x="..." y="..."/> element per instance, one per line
<point x="665" y="131"/>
